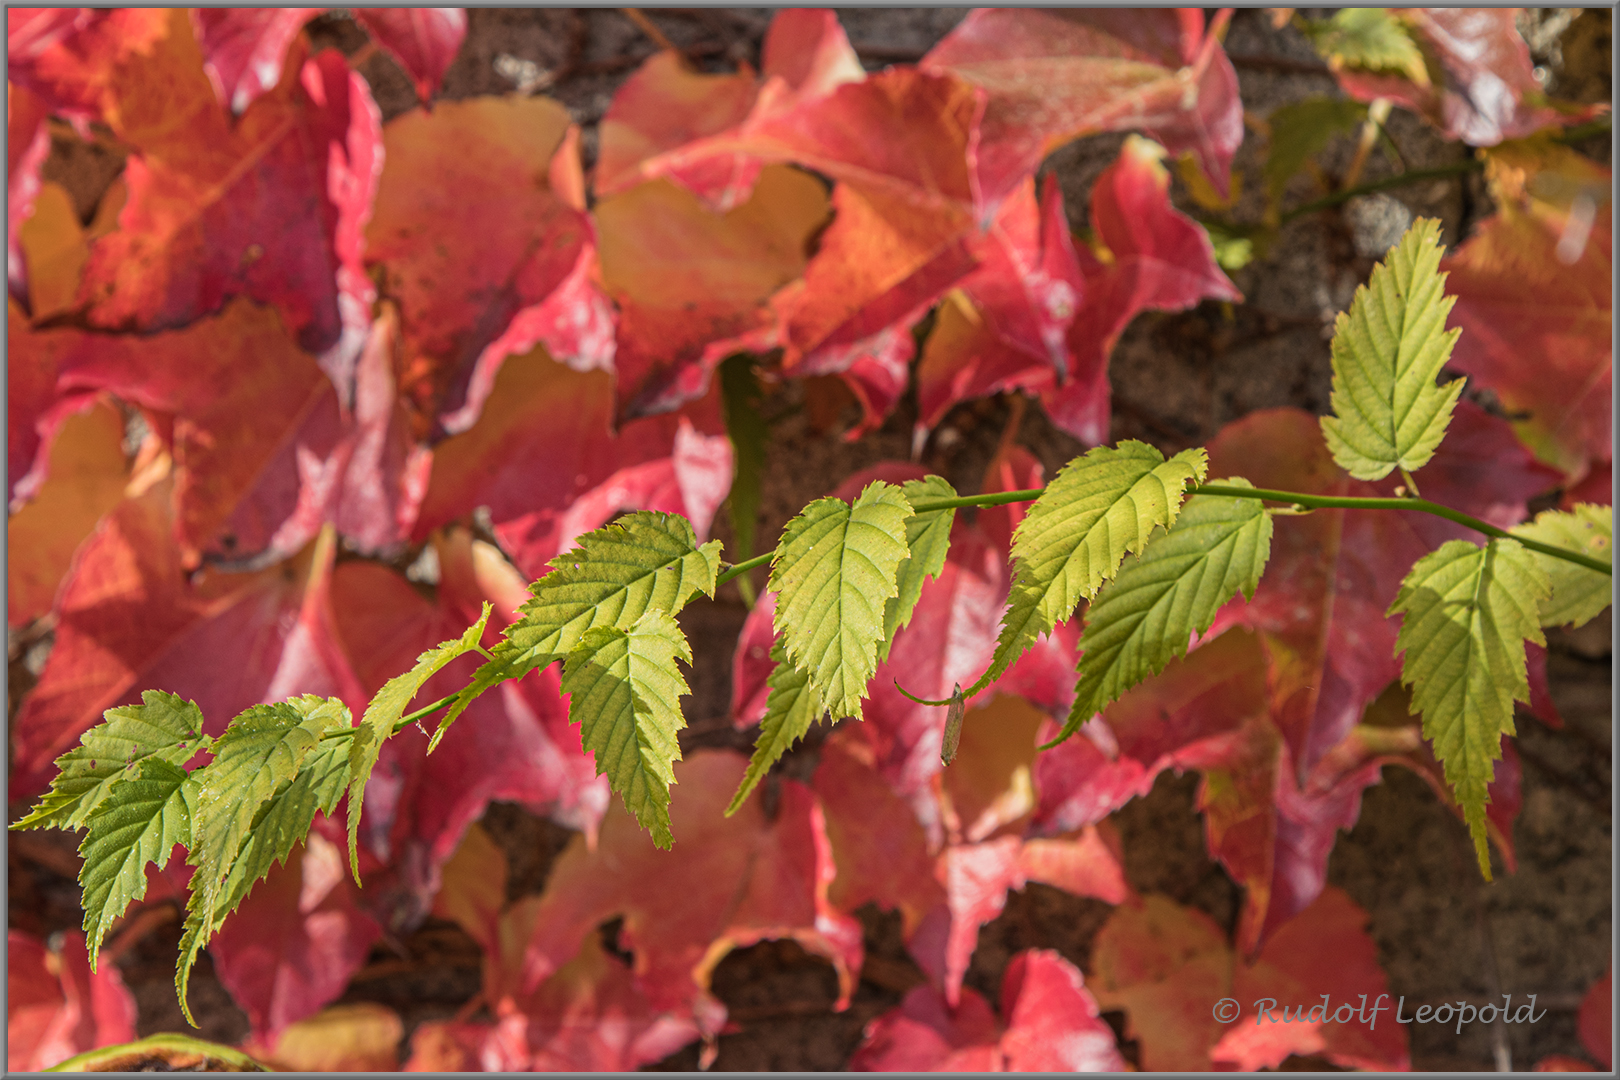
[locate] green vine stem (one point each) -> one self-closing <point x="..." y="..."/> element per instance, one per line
<point x="1002" y="498"/>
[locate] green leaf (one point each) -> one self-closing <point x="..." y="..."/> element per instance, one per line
<point x="1468" y="612"/>
<point x="146" y="816"/>
<point x="1386" y="352"/>
<point x="624" y="691"/>
<point x="740" y="396"/>
<point x="384" y="712"/>
<point x="256" y="758"/>
<point x="833" y="573"/>
<point x="1368" y="39"/>
<point x="1302" y="130"/>
<point x="1098" y="509"/>
<point x="1578" y="594"/>
<point x="644" y="561"/>
<point x="790" y="708"/>
<point x="283" y="822"/>
<point x="928" y="539"/>
<point x="1144" y="618"/>
<point x="163" y="727"/>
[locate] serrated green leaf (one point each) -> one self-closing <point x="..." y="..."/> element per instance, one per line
<point x="256" y="758"/>
<point x="385" y="710"/>
<point x="641" y="562"/>
<point x="1099" y="508"/>
<point x="833" y="573"/>
<point x="1467" y="614"/>
<point x="279" y="825"/>
<point x="790" y="708"/>
<point x="163" y="727"/>
<point x="740" y="395"/>
<point x="1387" y="351"/>
<point x="928" y="539"/>
<point x="1144" y="618"/>
<point x="1300" y="131"/>
<point x="1578" y="594"/>
<point x="624" y="692"/>
<point x="146" y="816"/>
<point x="1368" y="39"/>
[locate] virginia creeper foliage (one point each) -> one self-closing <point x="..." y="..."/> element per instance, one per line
<point x="341" y="347"/>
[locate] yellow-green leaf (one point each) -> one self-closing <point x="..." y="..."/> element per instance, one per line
<point x="1578" y="594"/>
<point x="1144" y="618"/>
<point x="385" y="711"/>
<point x="163" y="726"/>
<point x="1467" y="614"/>
<point x="1387" y="350"/>
<point x="624" y="692"/>
<point x="790" y="708"/>
<point x="1099" y="508"/>
<point x="834" y="573"/>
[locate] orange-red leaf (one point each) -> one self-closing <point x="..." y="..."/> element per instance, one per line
<point x="542" y="411"/>
<point x="476" y="224"/>
<point x="741" y="879"/>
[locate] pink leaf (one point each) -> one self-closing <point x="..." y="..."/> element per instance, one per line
<point x="423" y="40"/>
<point x="243" y="48"/>
<point x="1051" y="76"/>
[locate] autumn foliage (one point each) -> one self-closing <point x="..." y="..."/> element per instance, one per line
<point x="308" y="395"/>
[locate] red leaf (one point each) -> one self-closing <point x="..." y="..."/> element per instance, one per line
<point x="1487" y="90"/>
<point x="693" y="285"/>
<point x="1322" y="955"/>
<point x="666" y="120"/>
<point x="1051" y="76"/>
<point x="658" y="112"/>
<point x="742" y="879"/>
<point x="1159" y="259"/>
<point x="243" y="48"/>
<point x="1052" y="1019"/>
<point x="513" y="743"/>
<point x="1594" y="1023"/>
<point x="500" y="175"/>
<point x="1534" y="301"/>
<point x="947" y="857"/>
<point x="266" y="453"/>
<point x="86" y="480"/>
<point x="292" y="945"/>
<point x="1166" y="966"/>
<point x="542" y="411"/>
<point x="56" y="1006"/>
<point x="1044" y="316"/>
<point x="1051" y="1025"/>
<point x="28" y="142"/>
<point x="271" y="207"/>
<point x="130" y="620"/>
<point x="589" y="1016"/>
<point x="70" y="57"/>
<point x="423" y="40"/>
<point x="880" y="847"/>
